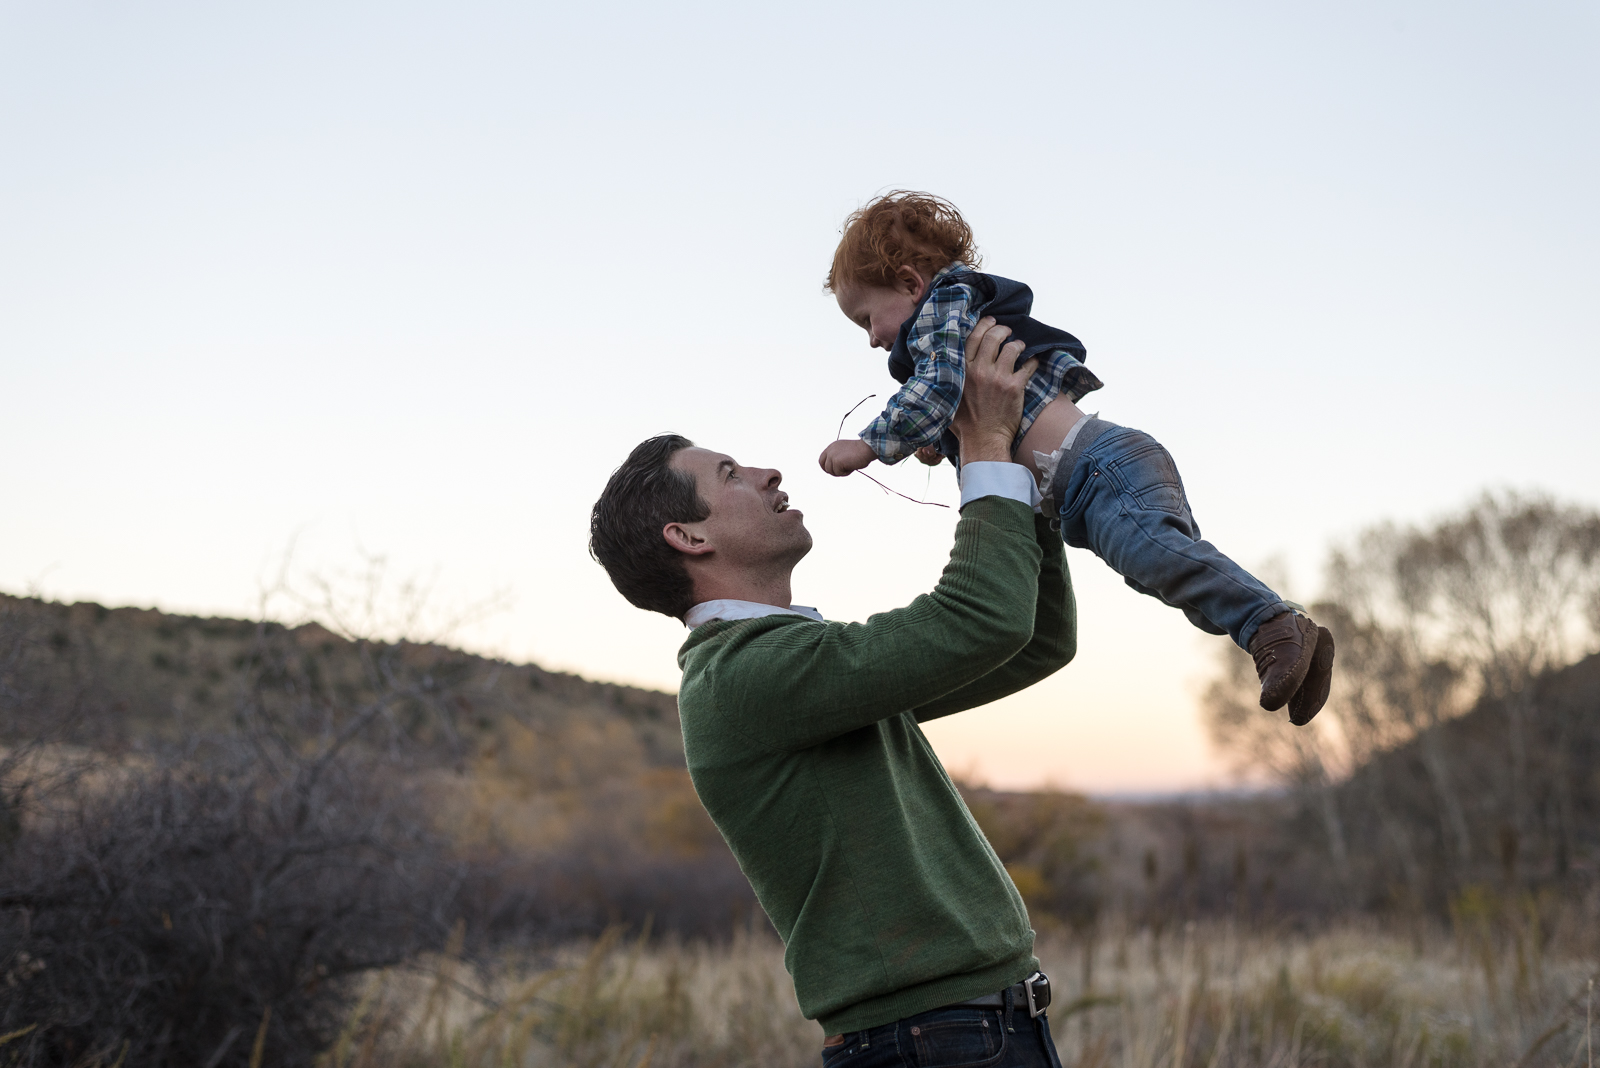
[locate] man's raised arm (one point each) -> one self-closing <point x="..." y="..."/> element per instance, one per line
<point x="1053" y="645"/>
<point x="839" y="677"/>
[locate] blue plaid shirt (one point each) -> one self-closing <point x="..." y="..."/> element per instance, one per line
<point x="921" y="412"/>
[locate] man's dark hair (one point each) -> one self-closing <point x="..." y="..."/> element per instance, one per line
<point x="642" y="496"/>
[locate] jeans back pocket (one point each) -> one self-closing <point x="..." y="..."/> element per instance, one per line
<point x="1148" y="476"/>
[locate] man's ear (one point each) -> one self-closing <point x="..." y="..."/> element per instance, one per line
<point x="909" y="280"/>
<point x="686" y="540"/>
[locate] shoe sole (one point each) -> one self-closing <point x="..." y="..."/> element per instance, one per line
<point x="1313" y="692"/>
<point x="1290" y="684"/>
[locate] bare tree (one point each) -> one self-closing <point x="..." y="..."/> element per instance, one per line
<point x="1433" y="623"/>
<point x="1471" y="610"/>
<point x="1510" y="587"/>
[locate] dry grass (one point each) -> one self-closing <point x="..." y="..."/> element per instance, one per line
<point x="1212" y="996"/>
<point x="1204" y="997"/>
<point x="613" y="1002"/>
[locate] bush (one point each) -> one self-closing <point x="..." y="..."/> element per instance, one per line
<point x="157" y="916"/>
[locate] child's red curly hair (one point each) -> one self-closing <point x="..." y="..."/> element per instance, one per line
<point x="902" y="228"/>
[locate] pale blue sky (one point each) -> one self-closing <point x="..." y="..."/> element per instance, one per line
<point x="414" y="277"/>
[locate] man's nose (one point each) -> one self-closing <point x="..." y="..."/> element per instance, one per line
<point x="774" y="478"/>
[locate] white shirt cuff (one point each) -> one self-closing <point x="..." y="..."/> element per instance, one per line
<point x="992" y="478"/>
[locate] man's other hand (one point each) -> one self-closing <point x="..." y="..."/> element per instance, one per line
<point x="845" y="456"/>
<point x="930" y="455"/>
<point x="991" y="399"/>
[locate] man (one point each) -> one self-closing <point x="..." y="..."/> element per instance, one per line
<point x="903" y="933"/>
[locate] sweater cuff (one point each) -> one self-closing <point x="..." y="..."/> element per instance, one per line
<point x="991" y="478"/>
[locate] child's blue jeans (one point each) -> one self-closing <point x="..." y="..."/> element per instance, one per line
<point x="1119" y="495"/>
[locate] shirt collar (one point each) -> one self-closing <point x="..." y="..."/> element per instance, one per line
<point x="706" y="611"/>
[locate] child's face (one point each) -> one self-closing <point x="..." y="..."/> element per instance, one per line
<point x="880" y="310"/>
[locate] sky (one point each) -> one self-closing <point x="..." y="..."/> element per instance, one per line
<point x="340" y="281"/>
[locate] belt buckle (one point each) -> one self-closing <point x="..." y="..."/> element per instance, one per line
<point x="1037" y="987"/>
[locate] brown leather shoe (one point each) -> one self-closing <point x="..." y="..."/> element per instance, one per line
<point x="1313" y="692"/>
<point x="1282" y="649"/>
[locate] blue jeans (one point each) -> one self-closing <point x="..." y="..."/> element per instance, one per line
<point x="949" y="1038"/>
<point x="1123" y="500"/>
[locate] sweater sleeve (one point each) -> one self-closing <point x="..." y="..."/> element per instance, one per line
<point x="1052" y="646"/>
<point x="804" y="684"/>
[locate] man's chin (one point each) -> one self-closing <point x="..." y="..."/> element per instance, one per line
<point x="802" y="540"/>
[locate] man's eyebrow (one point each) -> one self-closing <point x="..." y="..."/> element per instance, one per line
<point x="729" y="464"/>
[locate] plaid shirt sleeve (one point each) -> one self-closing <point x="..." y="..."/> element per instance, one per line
<point x="921" y="411"/>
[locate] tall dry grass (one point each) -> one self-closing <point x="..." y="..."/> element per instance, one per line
<point x="1216" y="995"/>
<point x="611" y="1002"/>
<point x="1204" y="996"/>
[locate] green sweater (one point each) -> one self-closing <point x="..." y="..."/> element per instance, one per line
<point x="804" y="746"/>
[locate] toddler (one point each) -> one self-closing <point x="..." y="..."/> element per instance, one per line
<point x="905" y="273"/>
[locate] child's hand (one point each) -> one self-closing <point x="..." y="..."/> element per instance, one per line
<point x="846" y="455"/>
<point x="930" y="455"/>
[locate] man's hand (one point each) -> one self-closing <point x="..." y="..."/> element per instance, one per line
<point x="991" y="400"/>
<point x="845" y="456"/>
<point x="930" y="455"/>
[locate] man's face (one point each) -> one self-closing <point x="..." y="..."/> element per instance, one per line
<point x="751" y="523"/>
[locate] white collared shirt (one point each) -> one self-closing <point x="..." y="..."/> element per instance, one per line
<point x="728" y="608"/>
<point x="981" y="478"/>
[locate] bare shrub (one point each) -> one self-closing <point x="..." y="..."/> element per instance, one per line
<point x="182" y="894"/>
<point x="159" y="917"/>
<point x="210" y="828"/>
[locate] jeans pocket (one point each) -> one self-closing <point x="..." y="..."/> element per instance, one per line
<point x="964" y="1040"/>
<point x="1149" y="478"/>
<point x="856" y="1054"/>
<point x="839" y="1054"/>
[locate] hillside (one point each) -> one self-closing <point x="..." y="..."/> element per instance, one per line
<point x="117" y="676"/>
<point x="579" y="788"/>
